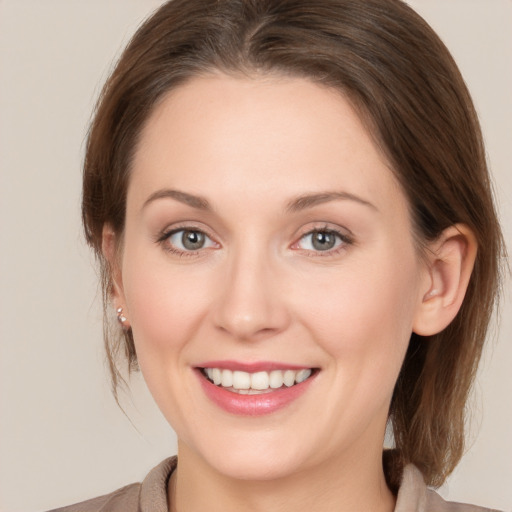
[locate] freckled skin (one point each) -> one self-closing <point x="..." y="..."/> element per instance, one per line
<point x="258" y="290"/>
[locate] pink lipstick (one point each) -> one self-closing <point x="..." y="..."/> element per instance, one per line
<point x="256" y="388"/>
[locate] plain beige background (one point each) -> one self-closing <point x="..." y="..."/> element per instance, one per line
<point x="62" y="438"/>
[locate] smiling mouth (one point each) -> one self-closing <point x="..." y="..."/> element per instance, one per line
<point x="245" y="383"/>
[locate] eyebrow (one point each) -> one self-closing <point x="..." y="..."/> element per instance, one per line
<point x="295" y="205"/>
<point x="309" y="200"/>
<point x="198" y="202"/>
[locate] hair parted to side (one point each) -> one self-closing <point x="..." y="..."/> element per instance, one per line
<point x="405" y="85"/>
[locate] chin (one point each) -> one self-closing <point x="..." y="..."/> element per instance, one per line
<point x="264" y="467"/>
<point x="253" y="458"/>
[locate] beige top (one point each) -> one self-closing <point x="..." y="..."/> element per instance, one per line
<point x="151" y="495"/>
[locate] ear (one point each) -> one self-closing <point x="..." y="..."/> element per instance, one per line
<point x="110" y="250"/>
<point x="450" y="262"/>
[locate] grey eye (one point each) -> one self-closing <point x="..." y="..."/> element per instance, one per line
<point x="321" y="240"/>
<point x="190" y="240"/>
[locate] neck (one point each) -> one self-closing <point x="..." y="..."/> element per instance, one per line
<point x="339" y="485"/>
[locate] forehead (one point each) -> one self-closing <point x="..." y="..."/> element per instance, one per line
<point x="259" y="133"/>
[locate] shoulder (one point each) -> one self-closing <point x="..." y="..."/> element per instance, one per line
<point x="415" y="496"/>
<point x="125" y="499"/>
<point x="150" y="495"/>
<point x="435" y="502"/>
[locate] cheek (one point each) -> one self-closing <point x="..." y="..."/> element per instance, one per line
<point x="363" y="315"/>
<point x="164" y="305"/>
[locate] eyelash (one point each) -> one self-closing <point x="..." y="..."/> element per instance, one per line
<point x="163" y="239"/>
<point x="344" y="241"/>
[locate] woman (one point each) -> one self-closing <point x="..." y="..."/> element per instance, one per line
<point x="291" y="208"/>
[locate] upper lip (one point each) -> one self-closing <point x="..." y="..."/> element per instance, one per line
<point x="251" y="367"/>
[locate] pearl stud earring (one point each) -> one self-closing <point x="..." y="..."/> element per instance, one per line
<point x="120" y="317"/>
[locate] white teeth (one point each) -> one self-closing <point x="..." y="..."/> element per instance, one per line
<point x="217" y="376"/>
<point x="254" y="383"/>
<point x="227" y="379"/>
<point x="289" y="378"/>
<point x="241" y="380"/>
<point x="276" y="379"/>
<point x="259" y="380"/>
<point x="302" y="375"/>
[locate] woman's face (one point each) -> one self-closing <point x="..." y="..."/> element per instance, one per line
<point x="267" y="242"/>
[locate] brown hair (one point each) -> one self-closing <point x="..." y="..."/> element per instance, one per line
<point x="386" y="59"/>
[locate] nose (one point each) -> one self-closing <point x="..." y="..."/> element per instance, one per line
<point x="251" y="304"/>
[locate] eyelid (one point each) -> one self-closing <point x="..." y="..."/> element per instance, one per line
<point x="164" y="235"/>
<point x="344" y="234"/>
<point x="175" y="232"/>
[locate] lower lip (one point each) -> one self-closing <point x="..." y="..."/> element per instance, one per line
<point x="253" y="405"/>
